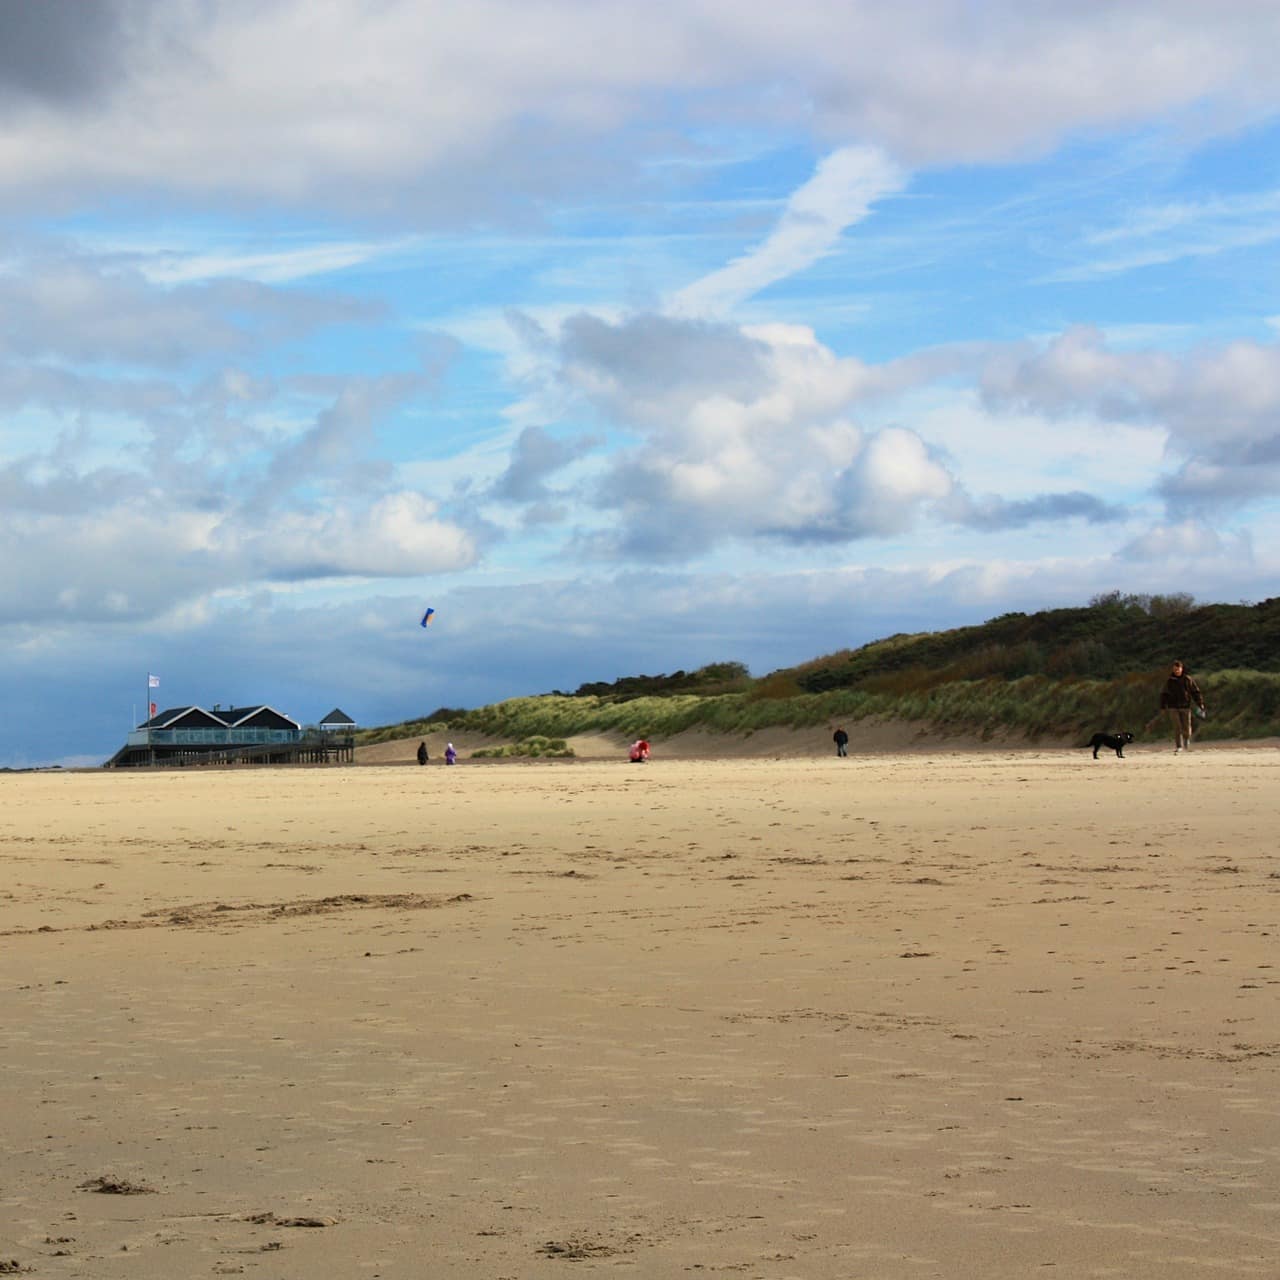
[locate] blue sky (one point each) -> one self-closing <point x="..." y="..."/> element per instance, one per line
<point x="628" y="337"/>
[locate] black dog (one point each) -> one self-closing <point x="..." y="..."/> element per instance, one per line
<point x="1115" y="741"/>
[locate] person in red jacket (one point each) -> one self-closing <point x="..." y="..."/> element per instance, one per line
<point x="1179" y="695"/>
<point x="639" y="751"/>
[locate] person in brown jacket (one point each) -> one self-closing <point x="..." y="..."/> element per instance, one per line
<point x="1180" y="693"/>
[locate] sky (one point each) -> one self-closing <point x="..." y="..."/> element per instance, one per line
<point x="629" y="337"/>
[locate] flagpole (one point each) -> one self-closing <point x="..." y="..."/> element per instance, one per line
<point x="153" y="682"/>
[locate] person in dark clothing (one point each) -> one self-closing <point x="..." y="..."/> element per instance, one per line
<point x="841" y="739"/>
<point x="423" y="757"/>
<point x="1179" y="695"/>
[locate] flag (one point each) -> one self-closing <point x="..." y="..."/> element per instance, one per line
<point x="153" y="682"/>
<point x="153" y="709"/>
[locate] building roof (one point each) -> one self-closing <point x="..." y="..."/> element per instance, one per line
<point x="336" y="716"/>
<point x="189" y="716"/>
<point x="220" y="717"/>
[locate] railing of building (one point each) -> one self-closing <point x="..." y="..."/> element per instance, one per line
<point x="213" y="737"/>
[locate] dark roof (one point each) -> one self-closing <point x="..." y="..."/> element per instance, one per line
<point x="259" y="717"/>
<point x="222" y="717"/>
<point x="192" y="715"/>
<point x="337" y="716"/>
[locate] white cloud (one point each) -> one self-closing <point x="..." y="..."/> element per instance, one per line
<point x="1210" y="398"/>
<point x="398" y="535"/>
<point x="847" y="183"/>
<point x="886" y="484"/>
<point x="757" y="434"/>
<point x="77" y="310"/>
<point x="1017" y="451"/>
<point x="1147" y="223"/>
<point x="84" y="567"/>
<point x="171" y="264"/>
<point x="423" y="104"/>
<point x="124" y="495"/>
<point x="1188" y="540"/>
<point x="1220" y="407"/>
<point x="1201" y="229"/>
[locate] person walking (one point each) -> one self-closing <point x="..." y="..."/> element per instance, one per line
<point x="423" y="757"/>
<point x="1179" y="695"/>
<point x="450" y="755"/>
<point x="841" y="739"/>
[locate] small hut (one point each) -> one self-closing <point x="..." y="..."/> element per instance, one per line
<point x="337" y="721"/>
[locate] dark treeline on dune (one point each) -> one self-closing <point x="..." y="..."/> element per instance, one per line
<point x="1114" y="635"/>
<point x="1059" y="673"/>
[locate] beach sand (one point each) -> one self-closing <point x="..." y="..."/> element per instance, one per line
<point x="929" y="1013"/>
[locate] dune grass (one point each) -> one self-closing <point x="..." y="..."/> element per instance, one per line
<point x="1242" y="704"/>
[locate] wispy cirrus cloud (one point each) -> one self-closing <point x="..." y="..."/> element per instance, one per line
<point x="172" y="265"/>
<point x="841" y="193"/>
<point x="1170" y="233"/>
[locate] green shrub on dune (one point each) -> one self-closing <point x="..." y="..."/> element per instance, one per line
<point x="536" y="747"/>
<point x="405" y="729"/>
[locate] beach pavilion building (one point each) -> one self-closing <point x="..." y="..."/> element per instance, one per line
<point x="257" y="734"/>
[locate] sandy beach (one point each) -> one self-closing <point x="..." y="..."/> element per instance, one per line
<point x="926" y="1013"/>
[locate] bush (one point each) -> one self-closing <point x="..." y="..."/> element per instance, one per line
<point x="778" y="685"/>
<point x="536" y="746"/>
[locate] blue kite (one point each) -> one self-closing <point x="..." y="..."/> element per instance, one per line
<point x="426" y="618"/>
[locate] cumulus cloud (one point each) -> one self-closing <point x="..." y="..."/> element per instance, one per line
<point x="1186" y="540"/>
<point x="336" y="444"/>
<point x="67" y="566"/>
<point x="753" y="433"/>
<point x="76" y="309"/>
<point x="647" y="367"/>
<point x="761" y="433"/>
<point x="141" y="467"/>
<point x="885" y="485"/>
<point x="397" y="535"/>
<point x="745" y="434"/>
<point x="535" y="457"/>
<point x="1227" y="395"/>
<point x="1220" y="405"/>
<point x="125" y="542"/>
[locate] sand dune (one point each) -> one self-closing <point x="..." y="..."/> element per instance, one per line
<point x="914" y="1014"/>
<point x="866" y="736"/>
